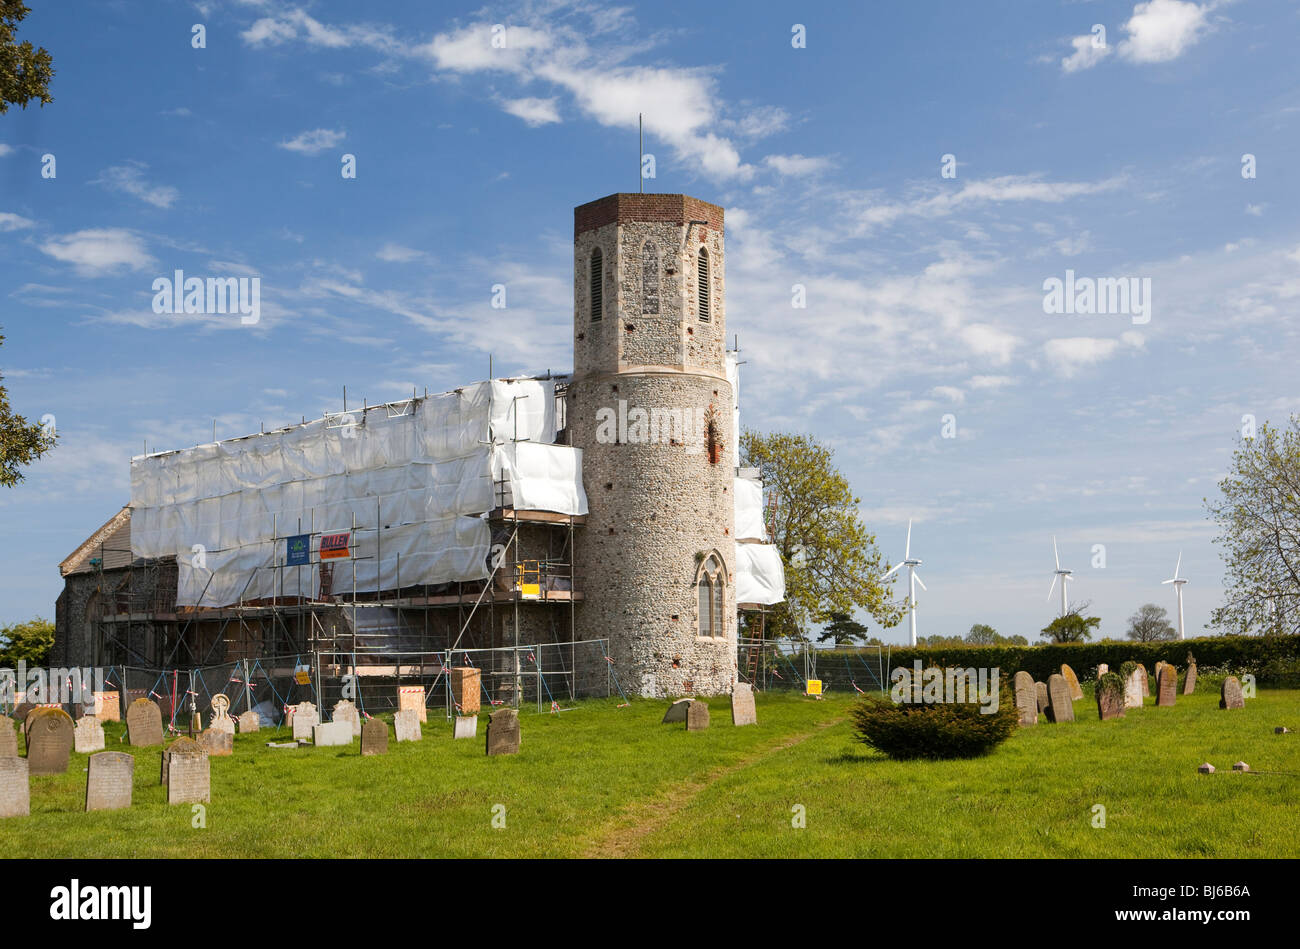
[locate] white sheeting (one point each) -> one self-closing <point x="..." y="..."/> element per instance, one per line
<point x="542" y="477"/>
<point x="760" y="577"/>
<point x="749" y="510"/>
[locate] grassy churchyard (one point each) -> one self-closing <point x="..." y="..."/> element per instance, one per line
<point x="608" y="781"/>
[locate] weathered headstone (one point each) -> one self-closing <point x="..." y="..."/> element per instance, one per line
<point x="305" y="719"/>
<point x="1206" y="768"/>
<point x="8" y="738"/>
<point x="1189" y="683"/>
<point x="406" y="726"/>
<point x="411" y="698"/>
<point x="1060" y="706"/>
<point x="181" y="746"/>
<point x="1241" y="766"/>
<point x="221" y="720"/>
<point x="249" y="722"/>
<point x="108" y="706"/>
<point x="1133" y="689"/>
<point x="1110" y="696"/>
<point x="697" y="716"/>
<point x="1144" y="681"/>
<point x="1166" y="686"/>
<point x="1072" y="681"/>
<point x="503" y="732"/>
<point x="109" y="777"/>
<point x="88" y="735"/>
<point x="1040" y="688"/>
<point x="144" y="724"/>
<point x="677" y="711"/>
<point x="1230" y="694"/>
<point x="189" y="776"/>
<point x="1026" y="698"/>
<point x="466" y="685"/>
<point x="15" y="788"/>
<point x="742" y="705"/>
<point x="1102" y="669"/>
<point x="50" y="736"/>
<point x="465" y="726"/>
<point x="374" y="737"/>
<point x="330" y="734"/>
<point x="346" y="711"/>
<point x="217" y="742"/>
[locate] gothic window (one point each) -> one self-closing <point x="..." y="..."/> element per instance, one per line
<point x="649" y="279"/>
<point x="597" y="285"/>
<point x="702" y="274"/>
<point x="711" y="586"/>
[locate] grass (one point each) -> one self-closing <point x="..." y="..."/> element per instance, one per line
<point x="609" y="781"/>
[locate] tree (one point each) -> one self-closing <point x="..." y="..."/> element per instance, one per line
<point x="21" y="442"/>
<point x="1258" y="515"/>
<point x="25" y="73"/>
<point x="1150" y="624"/>
<point x="982" y="634"/>
<point x="28" y="642"/>
<point x="843" y="630"/>
<point x="831" y="562"/>
<point x="1073" y="627"/>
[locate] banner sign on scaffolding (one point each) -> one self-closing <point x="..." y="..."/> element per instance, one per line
<point x="297" y="550"/>
<point x="334" y="546"/>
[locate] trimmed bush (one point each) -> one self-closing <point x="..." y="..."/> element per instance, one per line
<point x="937" y="731"/>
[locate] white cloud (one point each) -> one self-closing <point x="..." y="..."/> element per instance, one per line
<point x="295" y="24"/>
<point x="990" y="382"/>
<point x="1085" y="54"/>
<point x="1074" y="246"/>
<point x="314" y="141"/>
<point x="1161" y="30"/>
<point x="950" y="393"/>
<point x="397" y="254"/>
<point x="13" y="222"/>
<point x="129" y="179"/>
<point x="989" y="341"/>
<point x="99" y="251"/>
<point x="1071" y="354"/>
<point x="936" y="201"/>
<point x="5" y="149"/>
<point x="796" y="165"/>
<point x="1257" y="210"/>
<point x="533" y="111"/>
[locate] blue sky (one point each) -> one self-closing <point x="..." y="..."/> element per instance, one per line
<point x="924" y="293"/>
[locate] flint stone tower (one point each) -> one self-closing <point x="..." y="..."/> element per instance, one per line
<point x="651" y="408"/>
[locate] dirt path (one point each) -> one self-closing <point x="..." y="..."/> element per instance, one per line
<point x="622" y="836"/>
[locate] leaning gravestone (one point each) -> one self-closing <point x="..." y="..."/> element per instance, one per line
<point x="305" y="719"/>
<point x="189" y="776"/>
<point x="697" y="717"/>
<point x="1144" y="681"/>
<point x="1133" y="689"/>
<point x="50" y="737"/>
<point x="1230" y="695"/>
<point x="1189" y="684"/>
<point x="406" y="727"/>
<point x="1166" y="686"/>
<point x="345" y="710"/>
<point x="249" y="722"/>
<point x="742" y="705"/>
<point x="503" y="732"/>
<point x="1041" y="689"/>
<point x="181" y="746"/>
<point x="374" y="737"/>
<point x="328" y="734"/>
<point x="1026" y="698"/>
<point x="15" y="788"/>
<point x="466" y="726"/>
<point x="144" y="724"/>
<point x="217" y="742"/>
<point x="1072" y="681"/>
<point x="8" y="738"/>
<point x="88" y="736"/>
<point x="676" y="712"/>
<point x="109" y="776"/>
<point x="221" y="720"/>
<point x="1060" y="706"/>
<point x="1110" y="696"/>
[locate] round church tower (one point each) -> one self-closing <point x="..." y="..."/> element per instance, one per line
<point x="651" y="408"/>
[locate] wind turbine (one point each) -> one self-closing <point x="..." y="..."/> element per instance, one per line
<point x="912" y="579"/>
<point x="1065" y="576"/>
<point x="1178" y="582"/>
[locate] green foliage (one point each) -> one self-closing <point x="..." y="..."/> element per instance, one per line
<point x="1127" y="668"/>
<point x="982" y="634"/>
<point x="1149" y="624"/>
<point x="1071" y="628"/>
<point x="831" y="562"/>
<point x="843" y="630"/>
<point x="25" y="72"/>
<point x="1111" y="683"/>
<point x="30" y="642"/>
<point x="21" y="442"/>
<point x="937" y="731"/>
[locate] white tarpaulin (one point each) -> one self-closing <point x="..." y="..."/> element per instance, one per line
<point x="760" y="577"/>
<point x="749" y="510"/>
<point x="541" y="477"/>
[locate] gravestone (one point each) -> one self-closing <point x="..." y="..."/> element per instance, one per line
<point x="676" y="712"/>
<point x="181" y="746"/>
<point x="697" y="716"/>
<point x="742" y="705"/>
<point x="330" y="734"/>
<point x="1230" y="695"/>
<point x="466" y="726"/>
<point x="249" y="722"/>
<point x="8" y="738"/>
<point x="1144" y="681"/>
<point x="374" y="737"/>
<point x="144" y="724"/>
<point x="15" y="788"/>
<point x="466" y="684"/>
<point x="1072" y="681"/>
<point x="22" y="710"/>
<point x="217" y="742"/>
<point x="503" y="732"/>
<point x="1133" y="689"/>
<point x="50" y="737"/>
<point x="108" y="706"/>
<point x="1026" y="698"/>
<point x="406" y="727"/>
<point x="1102" y="669"/>
<point x="1189" y="684"/>
<point x="346" y="711"/>
<point x="1041" y="689"/>
<point x="1060" y="706"/>
<point x="109" y="777"/>
<point x="410" y="698"/>
<point x="88" y="735"/>
<point x="221" y="720"/>
<point x="305" y="719"/>
<point x="1110" y="697"/>
<point x="189" y="776"/>
<point x="1166" y="686"/>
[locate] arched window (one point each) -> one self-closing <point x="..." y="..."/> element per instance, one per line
<point x="711" y="586"/>
<point x="597" y="285"/>
<point x="702" y="289"/>
<point x="650" y="279"/>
